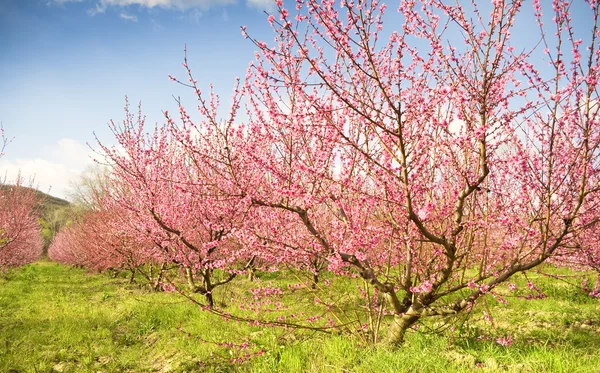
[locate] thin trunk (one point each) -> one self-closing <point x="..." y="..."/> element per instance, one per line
<point x="205" y="289"/>
<point x="208" y="287"/>
<point x="209" y="299"/>
<point x="315" y="280"/>
<point x="159" y="277"/>
<point x="189" y="276"/>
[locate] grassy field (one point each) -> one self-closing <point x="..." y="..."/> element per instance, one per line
<point x="60" y="319"/>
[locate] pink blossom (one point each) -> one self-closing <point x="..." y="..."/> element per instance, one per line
<point x="504" y="341"/>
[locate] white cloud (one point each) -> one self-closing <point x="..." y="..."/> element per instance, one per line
<point x="96" y="9"/>
<point x="194" y="15"/>
<point x="155" y="25"/>
<point x="102" y="5"/>
<point x="225" y="16"/>
<point x="456" y="126"/>
<point x="65" y="161"/>
<point x="61" y="2"/>
<point x="128" y="17"/>
<point x="268" y="5"/>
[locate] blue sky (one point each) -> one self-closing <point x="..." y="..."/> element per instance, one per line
<point x="66" y="66"/>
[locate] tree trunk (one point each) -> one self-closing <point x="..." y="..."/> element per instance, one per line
<point x="399" y="327"/>
<point x="209" y="299"/>
<point x="315" y="280"/>
<point x="189" y="276"/>
<point x="132" y="277"/>
<point x="208" y="288"/>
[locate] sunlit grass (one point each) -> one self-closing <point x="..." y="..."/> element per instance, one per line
<point x="60" y="319"/>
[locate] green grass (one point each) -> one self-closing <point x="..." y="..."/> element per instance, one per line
<point x="60" y="319"/>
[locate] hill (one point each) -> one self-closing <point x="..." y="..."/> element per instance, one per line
<point x="47" y="202"/>
<point x="53" y="213"/>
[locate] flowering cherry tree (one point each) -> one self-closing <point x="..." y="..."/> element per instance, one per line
<point x="175" y="198"/>
<point x="584" y="254"/>
<point x="20" y="239"/>
<point x="98" y="240"/>
<point x="459" y="161"/>
<point x="103" y="237"/>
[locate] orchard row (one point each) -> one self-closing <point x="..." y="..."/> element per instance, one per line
<point x="424" y="150"/>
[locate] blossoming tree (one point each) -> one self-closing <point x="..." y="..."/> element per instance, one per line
<point x="435" y="158"/>
<point x="444" y="141"/>
<point x="20" y="239"/>
<point x="176" y="199"/>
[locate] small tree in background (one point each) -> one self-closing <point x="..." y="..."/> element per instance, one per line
<point x="177" y="200"/>
<point x="20" y="239"/>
